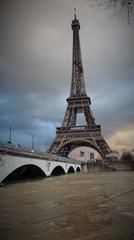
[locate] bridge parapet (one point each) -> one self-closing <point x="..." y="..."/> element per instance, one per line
<point x="13" y="150"/>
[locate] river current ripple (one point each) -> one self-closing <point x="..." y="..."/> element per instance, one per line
<point x="80" y="206"/>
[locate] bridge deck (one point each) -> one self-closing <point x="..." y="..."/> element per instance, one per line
<point x="14" y="150"/>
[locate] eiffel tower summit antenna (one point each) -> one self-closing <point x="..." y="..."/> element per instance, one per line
<point x="71" y="134"/>
<point x="75" y="13"/>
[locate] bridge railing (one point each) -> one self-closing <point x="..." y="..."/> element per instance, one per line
<point x="11" y="149"/>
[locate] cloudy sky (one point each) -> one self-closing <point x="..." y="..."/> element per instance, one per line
<point x="35" y="69"/>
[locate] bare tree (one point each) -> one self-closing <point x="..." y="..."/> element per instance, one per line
<point x="123" y="8"/>
<point x="127" y="156"/>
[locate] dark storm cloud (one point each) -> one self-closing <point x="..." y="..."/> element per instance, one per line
<point x="29" y="115"/>
<point x="35" y="67"/>
<point x="30" y="60"/>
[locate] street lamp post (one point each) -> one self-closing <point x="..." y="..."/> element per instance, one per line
<point x="32" y="143"/>
<point x="10" y="134"/>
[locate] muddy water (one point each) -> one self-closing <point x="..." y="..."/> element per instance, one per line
<point x="80" y="206"/>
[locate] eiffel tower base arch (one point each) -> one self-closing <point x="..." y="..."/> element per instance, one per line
<point x="67" y="140"/>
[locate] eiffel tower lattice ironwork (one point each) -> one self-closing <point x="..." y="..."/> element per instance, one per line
<point x="70" y="135"/>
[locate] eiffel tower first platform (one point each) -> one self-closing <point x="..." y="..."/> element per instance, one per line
<point x="71" y="135"/>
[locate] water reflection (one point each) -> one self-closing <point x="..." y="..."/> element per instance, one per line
<point x="76" y="206"/>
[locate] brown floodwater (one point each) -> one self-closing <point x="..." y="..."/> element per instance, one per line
<point x="82" y="206"/>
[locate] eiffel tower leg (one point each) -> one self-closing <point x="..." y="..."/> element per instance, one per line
<point x="103" y="146"/>
<point x="53" y="148"/>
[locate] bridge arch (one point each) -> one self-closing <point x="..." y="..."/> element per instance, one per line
<point x="58" y="170"/>
<point x="69" y="146"/>
<point x="71" y="170"/>
<point x="78" y="169"/>
<point x="27" y="171"/>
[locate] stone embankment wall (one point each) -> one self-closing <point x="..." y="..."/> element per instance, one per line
<point x="122" y="166"/>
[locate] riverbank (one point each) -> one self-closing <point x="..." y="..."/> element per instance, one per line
<point x="109" y="166"/>
<point x="120" y="165"/>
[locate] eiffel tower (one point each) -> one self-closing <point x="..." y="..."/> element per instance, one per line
<point x="72" y="135"/>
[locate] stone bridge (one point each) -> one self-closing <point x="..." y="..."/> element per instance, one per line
<point x="15" y="163"/>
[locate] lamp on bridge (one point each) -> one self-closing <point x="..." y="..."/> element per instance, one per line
<point x="10" y="135"/>
<point x="32" y="144"/>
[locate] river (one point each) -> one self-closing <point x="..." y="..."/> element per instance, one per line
<point x="80" y="206"/>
